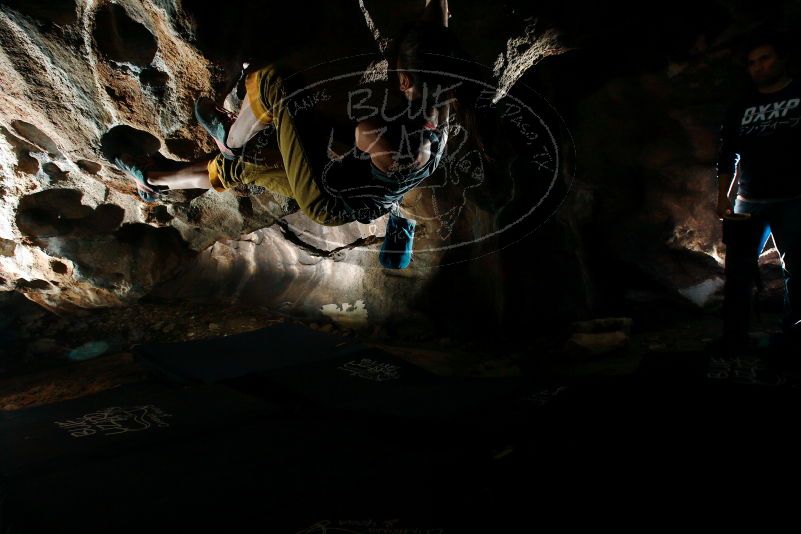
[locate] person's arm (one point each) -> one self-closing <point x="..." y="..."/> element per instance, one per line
<point x="436" y="12"/>
<point x="728" y="158"/>
<point x="724" y="185"/>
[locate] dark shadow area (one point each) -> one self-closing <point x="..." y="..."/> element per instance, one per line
<point x="59" y="212"/>
<point x="37" y="137"/>
<point x="122" y="39"/>
<point x="89" y="166"/>
<point x="125" y="139"/>
<point x="61" y="12"/>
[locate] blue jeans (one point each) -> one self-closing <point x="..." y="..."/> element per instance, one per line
<point x="783" y="219"/>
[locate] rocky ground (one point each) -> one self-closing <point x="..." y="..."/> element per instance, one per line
<point x="45" y="357"/>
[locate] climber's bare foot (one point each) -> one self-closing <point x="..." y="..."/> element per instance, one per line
<point x="182" y="175"/>
<point x="159" y="181"/>
<point x="146" y="188"/>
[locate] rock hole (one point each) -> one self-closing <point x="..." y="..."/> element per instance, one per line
<point x="51" y="212"/>
<point x="36" y="136"/>
<point x="159" y="214"/>
<point x="164" y="243"/>
<point x="155" y="80"/>
<point x="22" y="149"/>
<point x="246" y="206"/>
<point x="184" y="148"/>
<point x="104" y="219"/>
<point x="26" y="164"/>
<point x="58" y="267"/>
<point x="88" y="166"/>
<point x="53" y="171"/>
<point x="124" y="139"/>
<point x="58" y="212"/>
<point x="17" y="143"/>
<point x="33" y="285"/>
<point x="122" y="39"/>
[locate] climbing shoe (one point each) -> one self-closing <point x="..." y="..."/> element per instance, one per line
<point x="396" y="251"/>
<point x="217" y="122"/>
<point x="136" y="168"/>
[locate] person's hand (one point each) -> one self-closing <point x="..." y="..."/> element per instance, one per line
<point x="724" y="206"/>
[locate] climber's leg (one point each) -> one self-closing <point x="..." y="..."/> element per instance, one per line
<point x="246" y="125"/>
<point x="229" y="132"/>
<point x="192" y="176"/>
<point x="155" y="174"/>
<point x="744" y="239"/>
<point x="223" y="173"/>
<point x="219" y="173"/>
<point x="266" y="95"/>
<point x="785" y="221"/>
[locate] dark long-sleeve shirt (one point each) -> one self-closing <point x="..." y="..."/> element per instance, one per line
<point x="763" y="132"/>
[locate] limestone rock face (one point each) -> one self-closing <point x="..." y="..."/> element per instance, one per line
<point x="73" y="229"/>
<point x="77" y="77"/>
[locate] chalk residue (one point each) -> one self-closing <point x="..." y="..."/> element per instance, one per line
<point x="347" y="315"/>
<point x="522" y="53"/>
<point x="702" y="293"/>
<point x="380" y="41"/>
<point x="377" y="70"/>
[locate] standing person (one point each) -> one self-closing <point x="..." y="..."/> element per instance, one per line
<point x="759" y="146"/>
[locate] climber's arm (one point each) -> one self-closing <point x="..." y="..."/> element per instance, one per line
<point x="374" y="138"/>
<point x="370" y="137"/>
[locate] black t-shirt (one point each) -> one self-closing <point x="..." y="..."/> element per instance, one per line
<point x="762" y="132"/>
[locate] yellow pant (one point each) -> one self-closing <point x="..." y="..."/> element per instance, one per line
<point x="225" y="174"/>
<point x="288" y="170"/>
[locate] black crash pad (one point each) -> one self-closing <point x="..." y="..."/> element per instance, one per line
<point x="245" y="471"/>
<point x="223" y="358"/>
<point x="289" y="363"/>
<point x="376" y="382"/>
<point x="119" y="420"/>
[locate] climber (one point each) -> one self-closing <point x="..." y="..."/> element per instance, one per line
<point x="434" y="103"/>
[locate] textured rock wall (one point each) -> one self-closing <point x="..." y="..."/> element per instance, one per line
<point x="642" y="94"/>
<point x="80" y="76"/>
<point x="74" y="231"/>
